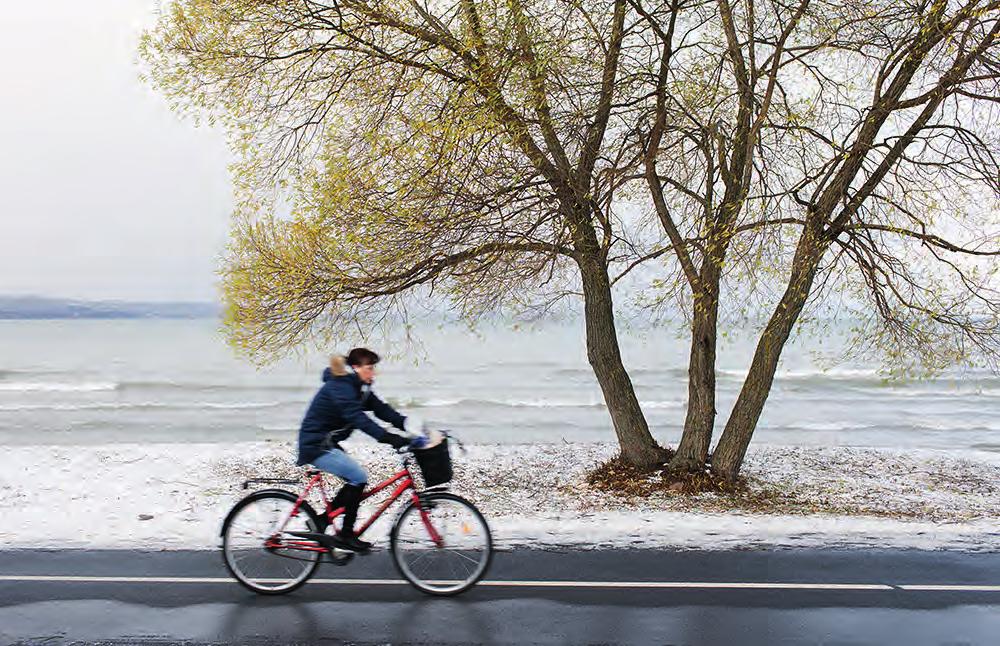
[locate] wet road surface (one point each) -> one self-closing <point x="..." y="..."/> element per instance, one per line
<point x="530" y="597"/>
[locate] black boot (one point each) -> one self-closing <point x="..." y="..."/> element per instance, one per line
<point x="336" y="502"/>
<point x="350" y="498"/>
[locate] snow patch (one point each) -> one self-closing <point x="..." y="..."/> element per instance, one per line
<point x="173" y="496"/>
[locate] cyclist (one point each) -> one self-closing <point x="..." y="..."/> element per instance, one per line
<point x="336" y="410"/>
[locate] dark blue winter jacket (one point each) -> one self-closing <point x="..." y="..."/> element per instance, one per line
<point x="339" y="408"/>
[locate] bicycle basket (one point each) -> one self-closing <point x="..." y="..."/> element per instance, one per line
<point x="435" y="463"/>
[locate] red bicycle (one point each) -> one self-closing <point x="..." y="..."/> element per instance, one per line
<point x="273" y="540"/>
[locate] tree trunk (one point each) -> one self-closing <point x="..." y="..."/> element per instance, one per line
<point x="729" y="453"/>
<point x="638" y="447"/>
<point x="692" y="452"/>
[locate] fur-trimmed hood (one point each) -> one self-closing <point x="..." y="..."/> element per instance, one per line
<point x="338" y="368"/>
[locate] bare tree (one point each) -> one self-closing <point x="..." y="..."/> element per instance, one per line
<point x="861" y="128"/>
<point x="715" y="91"/>
<point x="913" y="120"/>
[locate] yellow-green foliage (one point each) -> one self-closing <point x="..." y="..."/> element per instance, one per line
<point x="372" y="152"/>
<point x="391" y="150"/>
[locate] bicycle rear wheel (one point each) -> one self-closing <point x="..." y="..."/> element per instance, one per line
<point x="258" y="549"/>
<point x="443" y="546"/>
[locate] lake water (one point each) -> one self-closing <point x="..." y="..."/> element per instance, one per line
<point x="86" y="382"/>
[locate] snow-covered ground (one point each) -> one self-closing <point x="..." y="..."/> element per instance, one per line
<point x="172" y="496"/>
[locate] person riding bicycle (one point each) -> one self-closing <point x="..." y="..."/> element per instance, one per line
<point x="336" y="410"/>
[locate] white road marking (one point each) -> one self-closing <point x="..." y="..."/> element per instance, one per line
<point x="691" y="584"/>
<point x="755" y="585"/>
<point x="950" y="588"/>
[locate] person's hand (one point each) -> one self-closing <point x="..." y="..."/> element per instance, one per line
<point x="396" y="441"/>
<point x="418" y="442"/>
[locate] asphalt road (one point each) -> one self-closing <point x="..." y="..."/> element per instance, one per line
<point x="530" y="597"/>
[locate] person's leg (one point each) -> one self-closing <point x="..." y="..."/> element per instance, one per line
<point x="338" y="463"/>
<point x="343" y="466"/>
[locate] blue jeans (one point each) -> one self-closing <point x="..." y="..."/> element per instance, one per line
<point x="343" y="466"/>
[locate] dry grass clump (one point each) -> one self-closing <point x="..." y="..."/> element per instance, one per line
<point x="616" y="476"/>
<point x="700" y="490"/>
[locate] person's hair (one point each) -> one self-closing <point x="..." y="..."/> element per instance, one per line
<point x="361" y="357"/>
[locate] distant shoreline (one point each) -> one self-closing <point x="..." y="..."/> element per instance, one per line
<point x="35" y="308"/>
<point x="105" y="317"/>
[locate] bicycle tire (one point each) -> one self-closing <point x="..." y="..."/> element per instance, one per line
<point x="407" y="573"/>
<point x="312" y="521"/>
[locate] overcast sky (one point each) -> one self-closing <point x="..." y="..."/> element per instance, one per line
<point x="104" y="193"/>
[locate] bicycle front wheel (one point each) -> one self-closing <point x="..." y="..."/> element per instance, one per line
<point x="442" y="545"/>
<point x="258" y="549"/>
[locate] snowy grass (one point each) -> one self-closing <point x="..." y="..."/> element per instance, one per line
<point x="174" y="496"/>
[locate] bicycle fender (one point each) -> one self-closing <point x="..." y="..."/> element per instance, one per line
<point x="284" y="493"/>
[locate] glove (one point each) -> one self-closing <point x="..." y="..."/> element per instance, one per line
<point x="418" y="442"/>
<point x="397" y="441"/>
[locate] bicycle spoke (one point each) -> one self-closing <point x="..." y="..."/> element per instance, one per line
<point x="467" y="558"/>
<point x="243" y="557"/>
<point x="421" y="557"/>
<point x="451" y="567"/>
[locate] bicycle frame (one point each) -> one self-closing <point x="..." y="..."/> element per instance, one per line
<point x="402" y="477"/>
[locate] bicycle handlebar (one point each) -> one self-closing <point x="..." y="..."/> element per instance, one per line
<point x="406" y="452"/>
